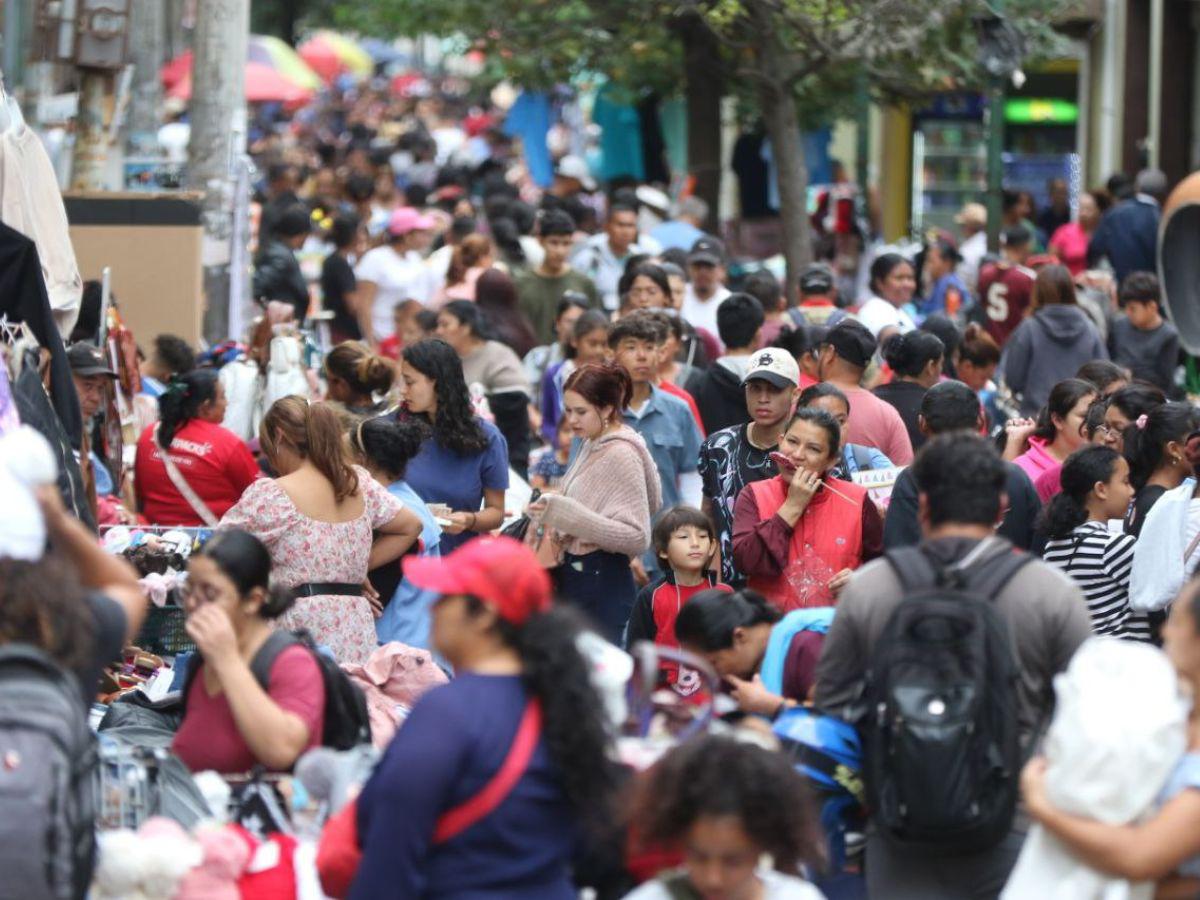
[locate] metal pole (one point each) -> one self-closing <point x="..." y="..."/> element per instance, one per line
<point x="1154" y="81"/>
<point x="995" y="161"/>
<point x="146" y="44"/>
<point x="218" y="119"/>
<point x="91" y="135"/>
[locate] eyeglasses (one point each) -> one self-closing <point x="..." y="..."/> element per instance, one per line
<point x="200" y="593"/>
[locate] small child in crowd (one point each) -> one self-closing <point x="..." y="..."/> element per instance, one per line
<point x="550" y="465"/>
<point x="1096" y="490"/>
<point x="1142" y="341"/>
<point x="685" y="542"/>
<point x="412" y="323"/>
<point x="588" y="346"/>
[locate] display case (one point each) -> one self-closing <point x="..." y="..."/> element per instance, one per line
<point x="949" y="169"/>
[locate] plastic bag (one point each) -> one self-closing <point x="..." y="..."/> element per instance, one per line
<point x="1119" y="730"/>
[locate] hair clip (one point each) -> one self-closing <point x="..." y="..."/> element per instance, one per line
<point x="1141" y="422"/>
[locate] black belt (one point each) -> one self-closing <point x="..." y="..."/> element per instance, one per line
<point x="327" y="588"/>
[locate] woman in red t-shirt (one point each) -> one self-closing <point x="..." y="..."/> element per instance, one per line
<point x="232" y="721"/>
<point x="213" y="461"/>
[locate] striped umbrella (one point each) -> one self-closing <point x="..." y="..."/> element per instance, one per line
<point x="330" y="54"/>
<point x="263" y="50"/>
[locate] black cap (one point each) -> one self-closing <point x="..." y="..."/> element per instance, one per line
<point x="851" y="340"/>
<point x="707" y="250"/>
<point x="816" y="279"/>
<point x="88" y="359"/>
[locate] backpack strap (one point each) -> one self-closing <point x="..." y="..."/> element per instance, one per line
<point x="455" y="821"/>
<point x="260" y="666"/>
<point x="913" y="567"/>
<point x="917" y="571"/>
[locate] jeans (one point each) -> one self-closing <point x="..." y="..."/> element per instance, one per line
<point x="895" y="874"/>
<point x="601" y="585"/>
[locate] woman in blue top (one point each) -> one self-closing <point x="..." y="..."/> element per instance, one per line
<point x="385" y="447"/>
<point x="521" y="681"/>
<point x="1166" y="847"/>
<point x="463" y="460"/>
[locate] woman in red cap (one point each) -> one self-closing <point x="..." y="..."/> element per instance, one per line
<point x="484" y="790"/>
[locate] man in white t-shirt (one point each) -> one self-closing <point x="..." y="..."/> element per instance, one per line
<point x="393" y="273"/>
<point x="706" y="286"/>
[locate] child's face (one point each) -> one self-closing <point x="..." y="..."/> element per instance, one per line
<point x="592" y="348"/>
<point x="565" y="435"/>
<point x="411" y="331"/>
<point x="720" y="858"/>
<point x="1118" y="491"/>
<point x="1141" y="313"/>
<point x="689" y="549"/>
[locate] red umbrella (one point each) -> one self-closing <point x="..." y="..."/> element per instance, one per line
<point x="322" y="58"/>
<point x="263" y="84"/>
<point x="176" y="70"/>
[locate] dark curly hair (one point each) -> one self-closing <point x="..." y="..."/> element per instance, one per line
<point x="455" y="426"/>
<point x="386" y="444"/>
<point x="573" y="721"/>
<point x="1083" y="468"/>
<point x="181" y="401"/>
<point x="721" y="776"/>
<point x="42" y="604"/>
<point x="707" y="621"/>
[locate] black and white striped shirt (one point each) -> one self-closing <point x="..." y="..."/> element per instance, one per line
<point x="1100" y="562"/>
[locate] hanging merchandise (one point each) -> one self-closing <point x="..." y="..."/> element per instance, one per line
<point x="620" y="135"/>
<point x="23" y="299"/>
<point x="529" y="119"/>
<point x="31" y="203"/>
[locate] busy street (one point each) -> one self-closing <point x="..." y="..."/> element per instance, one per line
<point x="703" y="450"/>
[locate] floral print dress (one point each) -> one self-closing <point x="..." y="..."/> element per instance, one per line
<point x="305" y="550"/>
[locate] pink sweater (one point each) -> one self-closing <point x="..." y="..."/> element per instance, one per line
<point x="1036" y="459"/>
<point x="608" y="496"/>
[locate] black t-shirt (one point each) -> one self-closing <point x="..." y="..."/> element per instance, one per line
<point x="337" y="280"/>
<point x="107" y="643"/>
<point x="1142" y="504"/>
<point x="905" y="397"/>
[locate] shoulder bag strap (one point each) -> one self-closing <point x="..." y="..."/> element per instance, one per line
<point x="199" y="507"/>
<point x="455" y="821"/>
<point x="1191" y="548"/>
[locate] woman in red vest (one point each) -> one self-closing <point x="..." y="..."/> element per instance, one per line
<point x="798" y="537"/>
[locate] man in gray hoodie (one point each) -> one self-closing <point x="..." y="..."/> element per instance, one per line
<point x="1051" y="344"/>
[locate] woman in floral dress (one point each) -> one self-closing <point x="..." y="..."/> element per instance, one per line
<point x="326" y="524"/>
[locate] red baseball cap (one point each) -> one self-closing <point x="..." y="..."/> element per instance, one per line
<point x="502" y="572"/>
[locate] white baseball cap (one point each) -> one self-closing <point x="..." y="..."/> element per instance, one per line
<point x="574" y="167"/>
<point x="774" y="365"/>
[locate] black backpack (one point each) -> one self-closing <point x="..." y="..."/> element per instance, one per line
<point x="48" y="771"/>
<point x="942" y="755"/>
<point x="347" y="723"/>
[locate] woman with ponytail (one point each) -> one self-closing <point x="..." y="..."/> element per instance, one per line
<point x="471" y="258"/>
<point x="521" y="719"/>
<point x="326" y="523"/>
<point x="1156" y="448"/>
<point x="1096" y="490"/>
<point x="232" y="722"/>
<point x="213" y="461"/>
<point x="1044" y="445"/>
<point x="356" y="376"/>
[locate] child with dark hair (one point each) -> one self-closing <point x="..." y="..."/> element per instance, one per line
<point x="724" y="800"/>
<point x="1142" y="340"/>
<point x="685" y="543"/>
<point x="1096" y="490"/>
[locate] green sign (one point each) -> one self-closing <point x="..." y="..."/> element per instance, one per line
<point x="1040" y="111"/>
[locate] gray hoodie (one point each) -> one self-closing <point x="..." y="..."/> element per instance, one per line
<point x="1047" y="348"/>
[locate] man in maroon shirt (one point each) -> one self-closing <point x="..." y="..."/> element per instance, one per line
<point x="1006" y="287"/>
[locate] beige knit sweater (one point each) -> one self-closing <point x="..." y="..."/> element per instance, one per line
<point x="608" y="496"/>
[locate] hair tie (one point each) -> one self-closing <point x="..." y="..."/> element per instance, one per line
<point x="1141" y="422"/>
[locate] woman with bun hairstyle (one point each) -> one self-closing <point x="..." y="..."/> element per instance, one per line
<point x="385" y="446"/>
<point x="1156" y="448"/>
<point x="1095" y="490"/>
<point x="232" y="723"/>
<point x="463" y="460"/>
<point x="496" y="370"/>
<point x="356" y="376"/>
<point x="798" y="537"/>
<point x="1044" y="445"/>
<point x="916" y="360"/>
<point x="606" y="501"/>
<point x="769" y="659"/>
<point x="213" y="461"/>
<point x="319" y="520"/>
<point x="523" y="698"/>
<point x="728" y="804"/>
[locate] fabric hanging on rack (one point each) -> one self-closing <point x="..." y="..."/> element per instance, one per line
<point x="31" y="202"/>
<point x="23" y="299"/>
<point x="9" y="420"/>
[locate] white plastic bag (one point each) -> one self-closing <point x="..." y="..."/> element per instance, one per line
<point x="1119" y="730"/>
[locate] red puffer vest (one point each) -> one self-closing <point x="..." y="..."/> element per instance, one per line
<point x="826" y="539"/>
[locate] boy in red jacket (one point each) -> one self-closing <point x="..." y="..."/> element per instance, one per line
<point x="686" y="542"/>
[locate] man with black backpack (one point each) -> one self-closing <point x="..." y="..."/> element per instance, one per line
<point x="943" y="655"/>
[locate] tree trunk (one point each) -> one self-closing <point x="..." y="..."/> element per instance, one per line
<point x="147" y="53"/>
<point x="704" y="86"/>
<point x="218" y="118"/>
<point x="91" y="134"/>
<point x="783" y="128"/>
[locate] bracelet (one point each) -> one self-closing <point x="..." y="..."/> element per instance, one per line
<point x="471" y="527"/>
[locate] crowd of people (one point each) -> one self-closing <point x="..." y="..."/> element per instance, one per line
<point x="769" y="482"/>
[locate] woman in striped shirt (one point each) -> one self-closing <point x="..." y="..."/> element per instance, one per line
<point x="1096" y="490"/>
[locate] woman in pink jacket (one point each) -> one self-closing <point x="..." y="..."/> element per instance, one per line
<point x="607" y="498"/>
<point x="1043" y="446"/>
